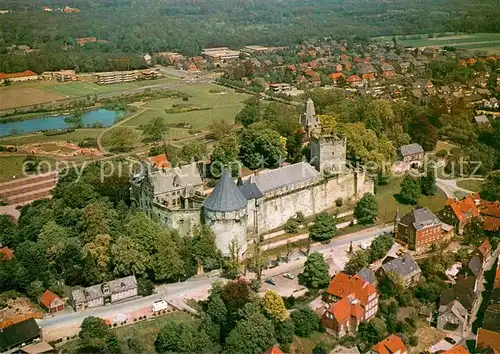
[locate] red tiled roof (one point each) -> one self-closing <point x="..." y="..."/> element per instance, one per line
<point x="341" y="310"/>
<point x="458" y="349"/>
<point x="291" y="67"/>
<point x="335" y="76"/>
<point x="464" y="207"/>
<point x="488" y="339"/>
<point x="25" y="73"/>
<point x="342" y="286"/>
<point x="274" y="350"/>
<point x="390" y="345"/>
<point x="497" y="279"/>
<point x="159" y="160"/>
<point x="485" y="247"/>
<point x="353" y="78"/>
<point x="6" y="253"/>
<point x="357" y="311"/>
<point x="47" y="298"/>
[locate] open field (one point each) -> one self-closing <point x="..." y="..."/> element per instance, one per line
<point x="75" y="136"/>
<point x="222" y="106"/>
<point x="488" y="42"/>
<point x="36" y="92"/>
<point x="386" y="197"/>
<point x="13" y="166"/>
<point x="470" y="184"/>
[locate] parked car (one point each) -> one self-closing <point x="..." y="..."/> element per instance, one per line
<point x="450" y="340"/>
<point x="270" y="281"/>
<point x="289" y="276"/>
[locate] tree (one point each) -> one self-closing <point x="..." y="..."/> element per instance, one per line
<point x="225" y="154"/>
<point x="122" y="139"/>
<point x="219" y="129"/>
<point x="166" y="262"/>
<point x="274" y="306"/>
<point x="261" y="148"/>
<point x="8" y="231"/>
<point x="490" y="190"/>
<point x="306" y="322"/>
<point x="379" y="247"/>
<point x="366" y="210"/>
<point x="129" y="257"/>
<point x="31" y="163"/>
<point x="372" y="332"/>
<point x="358" y="261"/>
<point x="96" y="256"/>
<point x="428" y="182"/>
<point x="324" y="227"/>
<point x="236" y="294"/>
<point x="249" y="114"/>
<point x="205" y="249"/>
<point x="193" y="151"/>
<point x="254" y="333"/>
<point x="35" y="290"/>
<point x="145" y="287"/>
<point x="183" y="338"/>
<point x="216" y="309"/>
<point x="285" y="331"/>
<point x="291" y="226"/>
<point x="155" y="129"/>
<point x="423" y="133"/>
<point x="321" y="348"/>
<point x="94" y="222"/>
<point x="315" y="274"/>
<point x="93" y="327"/>
<point x="410" y="190"/>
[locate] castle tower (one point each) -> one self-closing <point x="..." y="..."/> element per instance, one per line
<point x="225" y="211"/>
<point x="328" y="153"/>
<point x="309" y="120"/>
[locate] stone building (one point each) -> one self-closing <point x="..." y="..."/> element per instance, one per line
<point x="263" y="202"/>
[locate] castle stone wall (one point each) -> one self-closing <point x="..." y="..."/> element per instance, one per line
<point x="228" y="227"/>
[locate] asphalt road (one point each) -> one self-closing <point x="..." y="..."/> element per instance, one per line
<point x="198" y="288"/>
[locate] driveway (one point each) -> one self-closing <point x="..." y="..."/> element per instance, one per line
<point x="449" y="187"/>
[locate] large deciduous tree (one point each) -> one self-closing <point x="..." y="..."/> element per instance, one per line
<point x="410" y="190"/>
<point x="122" y="139"/>
<point x="305" y="321"/>
<point x="261" y="148"/>
<point x="315" y="274"/>
<point x="155" y="129"/>
<point x="324" y="227"/>
<point x="366" y="210"/>
<point x="274" y="306"/>
<point x="428" y="182"/>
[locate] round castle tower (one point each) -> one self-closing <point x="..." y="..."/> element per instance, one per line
<point x="225" y="211"/>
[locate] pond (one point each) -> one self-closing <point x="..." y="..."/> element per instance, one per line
<point x="105" y="117"/>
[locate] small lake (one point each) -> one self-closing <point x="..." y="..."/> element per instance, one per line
<point x="104" y="116"/>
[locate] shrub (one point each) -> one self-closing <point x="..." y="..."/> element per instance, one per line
<point x="442" y="153"/>
<point x="291" y="226"/>
<point x="306" y="322"/>
<point x="300" y="217"/>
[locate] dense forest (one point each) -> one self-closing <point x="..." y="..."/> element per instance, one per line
<point x="135" y="27"/>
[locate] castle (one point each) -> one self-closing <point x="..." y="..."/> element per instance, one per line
<point x="238" y="212"/>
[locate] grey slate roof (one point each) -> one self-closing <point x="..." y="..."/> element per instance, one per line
<point x="18" y="333"/>
<point x="464" y="291"/>
<point x="404" y="266"/>
<point x="122" y="284"/>
<point x="284" y="176"/>
<point x="226" y="196"/>
<point x="476" y="266"/>
<point x="456" y="308"/>
<point x="481" y="119"/>
<point x="250" y="191"/>
<point x="368" y="275"/>
<point x="411" y="149"/>
<point x="420" y="218"/>
<point x="95" y="291"/>
<point x="173" y="178"/>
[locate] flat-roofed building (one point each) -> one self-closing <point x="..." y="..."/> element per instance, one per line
<point x="115" y="77"/>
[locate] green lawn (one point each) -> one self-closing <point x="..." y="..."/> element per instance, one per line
<point x="76" y="89"/>
<point x="388" y="204"/>
<point x="13" y="166"/>
<point x="470" y="184"/>
<point x="75" y="136"/>
<point x="489" y="42"/>
<point x="142" y="333"/>
<point x="222" y="106"/>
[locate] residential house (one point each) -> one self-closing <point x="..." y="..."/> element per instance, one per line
<point x="367" y="71"/>
<point x="353" y="80"/>
<point x="115" y="77"/>
<point x="23" y="332"/>
<point x="411" y="153"/>
<point x="26" y="75"/>
<point x="393" y="58"/>
<point x="336" y="76"/>
<point x="84" y="40"/>
<point x="274" y="350"/>
<point x="403" y="67"/>
<point x="292" y="68"/>
<point x="417" y="94"/>
<point x="368" y="275"/>
<point x="491" y="103"/>
<point x="38" y="348"/>
<point x="430" y="52"/>
<point x="457" y="349"/>
<point x="391" y="345"/>
<point x="343" y="350"/>
<point x="466" y="292"/>
<point x="405" y="266"/>
<point x="490" y="213"/>
<point x="487" y="339"/>
<point x="100" y="294"/>
<point x="476" y="267"/>
<point x="453" y="317"/>
<point x="426" y="313"/>
<point x="417" y="64"/>
<point x="51" y="302"/>
<point x="485" y="251"/>
<point x="351" y="300"/>
<point x="6" y="253"/>
<point x="422" y="84"/>
<point x="420" y="228"/>
<point x="491" y="319"/>
<point x="388" y="71"/>
<point x="460" y="212"/>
